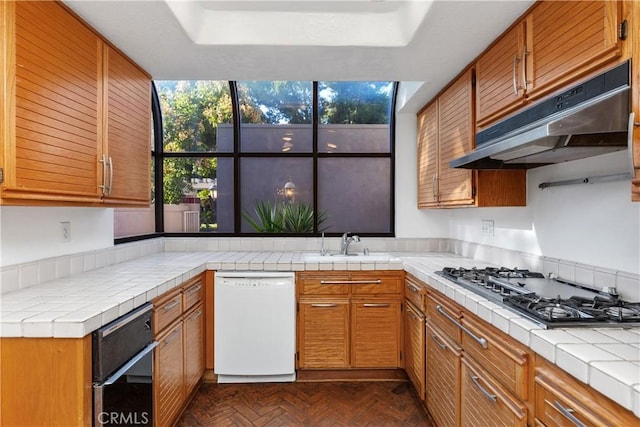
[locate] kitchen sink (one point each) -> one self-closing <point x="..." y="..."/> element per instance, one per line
<point x="354" y="257"/>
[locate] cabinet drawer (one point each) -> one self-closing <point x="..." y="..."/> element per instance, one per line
<point x="325" y="284"/>
<point x="483" y="399"/>
<point x="442" y="313"/>
<point x="376" y="283"/>
<point x="501" y="356"/>
<point x="414" y="291"/>
<point x="166" y="310"/>
<point x="192" y="293"/>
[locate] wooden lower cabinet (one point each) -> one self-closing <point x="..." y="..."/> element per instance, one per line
<point x="443" y="378"/>
<point x="414" y="347"/>
<point x="349" y="319"/>
<point x="561" y="400"/>
<point x="323" y="334"/>
<point x="376" y="331"/>
<point x="483" y="400"/>
<point x="179" y="361"/>
<point x="169" y="390"/>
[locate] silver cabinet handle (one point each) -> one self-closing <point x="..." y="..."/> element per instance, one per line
<point x="435" y="178"/>
<point x="324" y="305"/>
<point x="568" y="413"/>
<point x="412" y="312"/>
<point x="515" y="74"/>
<point x="110" y="175"/>
<point x="524" y="68"/>
<point x="632" y="164"/>
<point x="171" y="337"/>
<point x="376" y="305"/>
<point x="484" y="391"/>
<point x="194" y="290"/>
<point x="104" y="186"/>
<point x="171" y="305"/>
<point x="481" y="341"/>
<point x="413" y="288"/>
<point x="350" y="282"/>
<point x="196" y="315"/>
<point x="442" y="345"/>
<point x="135" y="359"/>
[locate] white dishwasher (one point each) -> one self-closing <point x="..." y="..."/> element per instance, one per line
<point x="254" y="326"/>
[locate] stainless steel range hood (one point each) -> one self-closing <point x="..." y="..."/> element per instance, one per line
<point x="587" y="120"/>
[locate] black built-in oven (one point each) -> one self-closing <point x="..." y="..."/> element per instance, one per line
<point x="123" y="370"/>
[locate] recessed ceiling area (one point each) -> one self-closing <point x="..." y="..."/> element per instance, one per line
<point x="423" y="41"/>
<point x="306" y="23"/>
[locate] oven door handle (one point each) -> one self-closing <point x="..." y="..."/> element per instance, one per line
<point x="135" y="359"/>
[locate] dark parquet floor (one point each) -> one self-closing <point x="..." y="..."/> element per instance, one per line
<point x="349" y="404"/>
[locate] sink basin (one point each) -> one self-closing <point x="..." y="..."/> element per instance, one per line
<point x="355" y="257"/>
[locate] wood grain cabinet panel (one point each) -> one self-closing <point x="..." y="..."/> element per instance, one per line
<point x="499" y="75"/>
<point x="127" y="142"/>
<point x="349" y="319"/>
<point x="561" y="400"/>
<point x="484" y="400"/>
<point x="76" y="114"/>
<point x="445" y="132"/>
<point x="414" y="347"/>
<point x="440" y="312"/>
<point x="633" y="13"/>
<point x="375" y="333"/>
<point x="443" y="377"/>
<point x="169" y="390"/>
<point x="193" y="348"/>
<point x="323" y="334"/>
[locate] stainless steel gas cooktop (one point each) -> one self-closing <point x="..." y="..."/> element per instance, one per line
<point x="549" y="302"/>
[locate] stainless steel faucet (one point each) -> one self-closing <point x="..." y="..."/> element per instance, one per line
<point x="346" y="241"/>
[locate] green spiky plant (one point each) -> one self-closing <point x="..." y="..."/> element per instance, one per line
<point x="283" y="218"/>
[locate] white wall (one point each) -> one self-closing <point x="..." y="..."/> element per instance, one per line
<point x="594" y="224"/>
<point x="32" y="233"/>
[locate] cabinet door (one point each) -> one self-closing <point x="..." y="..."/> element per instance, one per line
<point x="49" y="120"/>
<point x="127" y="131"/>
<point x="169" y="376"/>
<point x="568" y="39"/>
<point x="499" y="77"/>
<point x="483" y="399"/>
<point x="323" y="334"/>
<point x="375" y="333"/>
<point x="193" y="348"/>
<point x="428" y="156"/>
<point x="414" y="348"/>
<point x="455" y="186"/>
<point x="443" y="378"/>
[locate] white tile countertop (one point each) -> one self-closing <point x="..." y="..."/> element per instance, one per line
<point x="606" y="358"/>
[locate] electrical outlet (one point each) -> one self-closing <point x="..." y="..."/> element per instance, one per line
<point x="487" y="227"/>
<point x="66" y="231"/>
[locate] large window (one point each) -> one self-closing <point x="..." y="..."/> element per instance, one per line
<point x="293" y="157"/>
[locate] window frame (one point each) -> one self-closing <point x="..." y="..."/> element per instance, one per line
<point x="159" y="155"/>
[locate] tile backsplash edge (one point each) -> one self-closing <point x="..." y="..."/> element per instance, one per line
<point x="19" y="276"/>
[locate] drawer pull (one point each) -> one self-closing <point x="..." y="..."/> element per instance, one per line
<point x="568" y="413"/>
<point x="413" y="288"/>
<point x="171" y="337"/>
<point x="442" y="345"/>
<point x="481" y="341"/>
<point x="194" y="290"/>
<point x="490" y="396"/>
<point x="350" y="282"/>
<point x="171" y="305"/>
<point x="376" y="305"/>
<point x="324" y="305"/>
<point x="412" y="313"/>
<point x="196" y="315"/>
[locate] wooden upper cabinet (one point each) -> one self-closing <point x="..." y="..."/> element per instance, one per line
<point x="127" y="129"/>
<point x="456" y="137"/>
<point x="567" y="40"/>
<point x="555" y="44"/>
<point x="49" y="122"/>
<point x="428" y="156"/>
<point x="499" y="77"/>
<point x="71" y="103"/>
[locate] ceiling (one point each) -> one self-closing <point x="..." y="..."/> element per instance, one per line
<point x="419" y="41"/>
